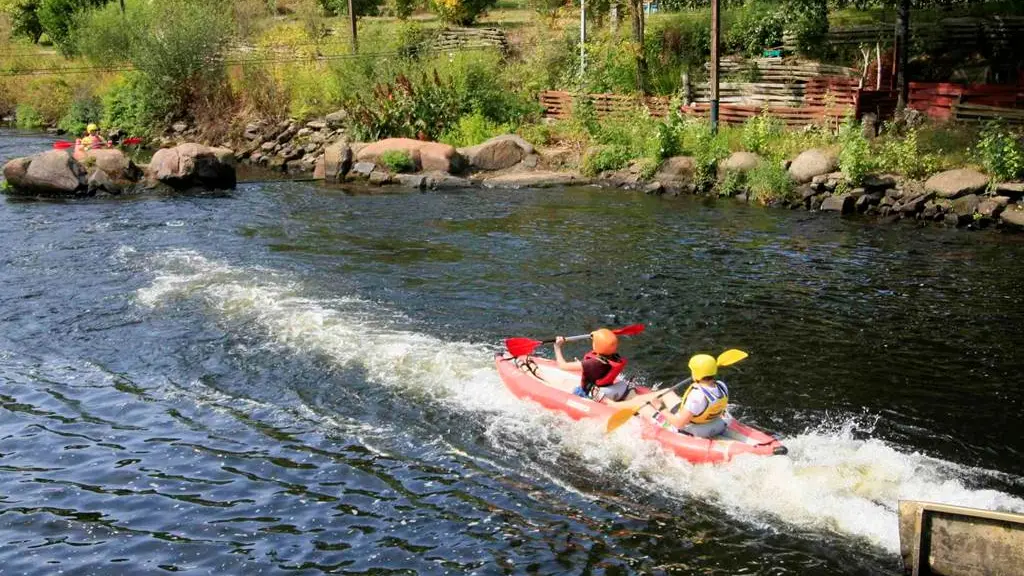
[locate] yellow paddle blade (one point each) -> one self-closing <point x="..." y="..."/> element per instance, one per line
<point x="731" y="356"/>
<point x="619" y="418"/>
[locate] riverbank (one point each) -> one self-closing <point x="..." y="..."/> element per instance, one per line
<point x="813" y="179"/>
<point x="320" y="150"/>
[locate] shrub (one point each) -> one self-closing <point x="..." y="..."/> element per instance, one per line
<point x="769" y="183"/>
<point x="460" y="12"/>
<point x="761" y="133"/>
<point x="732" y="183"/>
<point x="473" y="129"/>
<point x="134" y="105"/>
<point x="401" y="9"/>
<point x="855" y="153"/>
<point x="362" y="7"/>
<point x="603" y="158"/>
<point x="28" y="118"/>
<point x="755" y="26"/>
<point x="82" y="112"/>
<point x="397" y="161"/>
<point x="177" y="46"/>
<point x="1000" y="151"/>
<point x="808" y="20"/>
<point x="707" y="149"/>
<point x="903" y="155"/>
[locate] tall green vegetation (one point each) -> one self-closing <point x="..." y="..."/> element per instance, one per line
<point x="175" y="46"/>
<point x="58" y="19"/>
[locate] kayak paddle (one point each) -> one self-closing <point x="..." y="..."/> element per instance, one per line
<point x="525" y="346"/>
<point x="622" y="416"/>
<point x="64" y="144"/>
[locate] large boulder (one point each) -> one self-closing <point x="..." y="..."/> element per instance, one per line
<point x="498" y="153"/>
<point x="427" y="156"/>
<point x="335" y="163"/>
<point x="842" y="203"/>
<point x="676" y="169"/>
<point x="193" y="166"/>
<point x="965" y="206"/>
<point x="1013" y="217"/>
<point x="119" y="169"/>
<point x="811" y="163"/>
<point x="956" y="183"/>
<point x="52" y="173"/>
<point x="741" y="162"/>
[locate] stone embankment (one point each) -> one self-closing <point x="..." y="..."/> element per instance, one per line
<point x="961" y="197"/>
<point x="67" y="173"/>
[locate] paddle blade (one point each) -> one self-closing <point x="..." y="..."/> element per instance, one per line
<point x="629" y="330"/>
<point x="521" y="346"/>
<point x="62" y="145"/>
<point x="131" y="141"/>
<point x="731" y="356"/>
<point x="619" y="418"/>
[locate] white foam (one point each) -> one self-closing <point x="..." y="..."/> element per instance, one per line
<point x="831" y="481"/>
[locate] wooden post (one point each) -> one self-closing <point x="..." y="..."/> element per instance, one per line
<point x="902" y="52"/>
<point x="715" y="24"/>
<point x="352" y="21"/>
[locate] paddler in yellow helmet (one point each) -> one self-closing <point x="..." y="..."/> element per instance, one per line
<point x="702" y="408"/>
<point x="600" y="368"/>
<point x="92" y="138"/>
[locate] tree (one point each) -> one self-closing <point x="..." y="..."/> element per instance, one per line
<point x="24" y="18"/>
<point x="637" y="8"/>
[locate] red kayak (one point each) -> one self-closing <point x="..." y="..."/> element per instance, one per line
<point x="540" y="380"/>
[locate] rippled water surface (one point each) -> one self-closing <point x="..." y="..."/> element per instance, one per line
<point x="294" y="379"/>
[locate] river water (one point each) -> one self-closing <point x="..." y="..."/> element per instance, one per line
<point x="295" y="379"/>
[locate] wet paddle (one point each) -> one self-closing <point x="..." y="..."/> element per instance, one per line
<point x="525" y="346"/>
<point x="633" y="406"/>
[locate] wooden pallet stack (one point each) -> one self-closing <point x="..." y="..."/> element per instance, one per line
<point x="455" y="39"/>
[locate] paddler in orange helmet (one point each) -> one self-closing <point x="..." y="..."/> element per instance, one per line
<point x="701" y="410"/>
<point x="599" y="369"/>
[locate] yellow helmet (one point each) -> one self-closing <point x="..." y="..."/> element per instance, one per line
<point x="91" y="128"/>
<point x="702" y="366"/>
<point x="605" y="342"/>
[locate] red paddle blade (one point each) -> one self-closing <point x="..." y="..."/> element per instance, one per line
<point x="629" y="330"/>
<point x="62" y="145"/>
<point x="521" y="346"/>
<point x="131" y="141"/>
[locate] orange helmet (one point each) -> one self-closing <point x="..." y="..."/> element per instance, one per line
<point x="605" y="341"/>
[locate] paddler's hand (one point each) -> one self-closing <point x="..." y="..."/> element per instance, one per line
<point x="559" y="340"/>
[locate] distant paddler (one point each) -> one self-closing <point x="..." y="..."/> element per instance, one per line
<point x="91" y="140"/>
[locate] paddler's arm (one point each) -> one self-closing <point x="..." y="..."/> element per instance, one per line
<point x="574" y="366"/>
<point x="680" y="418"/>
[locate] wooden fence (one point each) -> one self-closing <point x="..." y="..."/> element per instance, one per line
<point x="968" y="32"/>
<point x="826" y="98"/>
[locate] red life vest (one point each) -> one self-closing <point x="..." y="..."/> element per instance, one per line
<point x="612" y="364"/>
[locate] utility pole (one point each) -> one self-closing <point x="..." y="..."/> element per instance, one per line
<point x="583" y="37"/>
<point x="352" y="20"/>
<point x="902" y="37"/>
<point x="715" y="25"/>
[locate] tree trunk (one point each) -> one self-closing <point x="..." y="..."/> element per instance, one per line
<point x="638" y="37"/>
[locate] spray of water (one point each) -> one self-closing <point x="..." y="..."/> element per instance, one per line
<point x="831" y="481"/>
